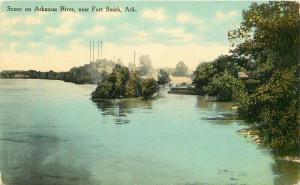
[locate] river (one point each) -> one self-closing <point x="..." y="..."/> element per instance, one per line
<point x="52" y="133"/>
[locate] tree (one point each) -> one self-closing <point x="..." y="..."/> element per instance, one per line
<point x="226" y="87"/>
<point x="269" y="31"/>
<point x="202" y="76"/>
<point x="149" y="87"/>
<point x="208" y="77"/>
<point x="133" y="88"/>
<point x="145" y="65"/>
<point x="103" y="90"/>
<point x="227" y="63"/>
<point x="163" y="77"/>
<point x="119" y="77"/>
<point x="269" y="36"/>
<point x="274" y="106"/>
<point x="181" y="69"/>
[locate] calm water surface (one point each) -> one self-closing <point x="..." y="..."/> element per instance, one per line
<point x="52" y="133"/>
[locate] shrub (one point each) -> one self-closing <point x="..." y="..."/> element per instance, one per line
<point x="149" y="87"/>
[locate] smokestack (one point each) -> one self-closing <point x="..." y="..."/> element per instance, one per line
<point x="93" y="51"/>
<point x="98" y="50"/>
<point x="90" y="50"/>
<point x="101" y="49"/>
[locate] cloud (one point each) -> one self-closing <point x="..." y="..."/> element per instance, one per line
<point x="142" y="34"/>
<point x="10" y="21"/>
<point x="96" y="30"/>
<point x="19" y="33"/>
<point x="223" y="16"/>
<point x="67" y="21"/>
<point x="61" y="30"/>
<point x="19" y="26"/>
<point x="186" y="18"/>
<point x="177" y="33"/>
<point x="154" y="14"/>
<point x="10" y="46"/>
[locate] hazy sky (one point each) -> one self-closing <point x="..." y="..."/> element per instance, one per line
<point x="167" y="31"/>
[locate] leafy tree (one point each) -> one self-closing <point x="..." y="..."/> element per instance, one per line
<point x="269" y="36"/>
<point x="226" y="87"/>
<point x="103" y="90"/>
<point x="269" y="31"/>
<point x="163" y="77"/>
<point x="227" y="63"/>
<point x="181" y="69"/>
<point x="202" y="76"/>
<point x="149" y="87"/>
<point x="133" y="88"/>
<point x="274" y="106"/>
<point x="119" y="78"/>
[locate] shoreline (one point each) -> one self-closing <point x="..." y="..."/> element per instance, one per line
<point x="253" y="136"/>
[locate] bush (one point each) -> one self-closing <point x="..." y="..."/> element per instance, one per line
<point x="163" y="77"/>
<point x="149" y="87"/>
<point x="103" y="90"/>
<point x="225" y="87"/>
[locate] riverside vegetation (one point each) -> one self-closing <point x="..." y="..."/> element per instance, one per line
<point x="266" y="47"/>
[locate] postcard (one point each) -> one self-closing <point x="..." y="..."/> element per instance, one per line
<point x="149" y="93"/>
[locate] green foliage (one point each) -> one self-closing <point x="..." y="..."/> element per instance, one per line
<point x="133" y="88"/>
<point x="149" y="87"/>
<point x="274" y="106"/>
<point x="119" y="77"/>
<point x="208" y="77"/>
<point x="269" y="31"/>
<point x="251" y="85"/>
<point x="226" y="63"/>
<point x="103" y="90"/>
<point x="269" y="36"/>
<point x="181" y="69"/>
<point x="163" y="77"/>
<point x="226" y="87"/>
<point x="202" y="76"/>
<point x="121" y="83"/>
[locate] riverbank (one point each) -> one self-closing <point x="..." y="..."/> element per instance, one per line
<point x="182" y="90"/>
<point x="253" y="135"/>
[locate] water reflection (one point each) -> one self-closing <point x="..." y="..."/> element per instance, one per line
<point x="121" y="108"/>
<point x="222" y="111"/>
<point x="28" y="158"/>
<point x="210" y="104"/>
<point x="286" y="172"/>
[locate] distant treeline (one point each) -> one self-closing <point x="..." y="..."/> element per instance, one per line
<point x="94" y="72"/>
<point x="88" y="74"/>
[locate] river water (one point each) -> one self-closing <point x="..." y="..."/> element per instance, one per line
<point x="52" y="133"/>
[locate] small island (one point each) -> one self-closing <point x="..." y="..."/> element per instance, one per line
<point x="122" y="83"/>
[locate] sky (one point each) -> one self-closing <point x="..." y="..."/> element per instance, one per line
<point x="167" y="31"/>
